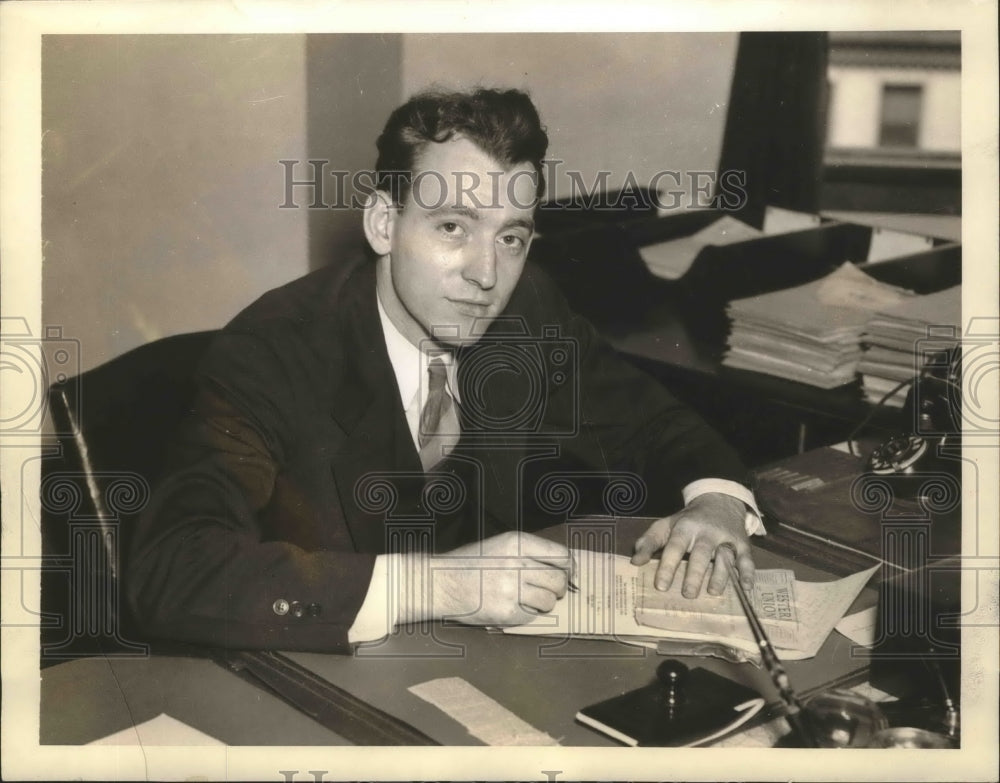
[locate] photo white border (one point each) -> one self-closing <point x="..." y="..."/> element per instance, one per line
<point x="21" y="27"/>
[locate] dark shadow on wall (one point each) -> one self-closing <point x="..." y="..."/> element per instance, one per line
<point x="353" y="83"/>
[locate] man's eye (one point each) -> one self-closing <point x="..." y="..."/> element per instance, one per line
<point x="451" y="228"/>
<point x="512" y="241"/>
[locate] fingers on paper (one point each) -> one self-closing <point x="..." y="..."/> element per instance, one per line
<point x="670" y="559"/>
<point x="652" y="540"/>
<point x="699" y="563"/>
<point x="719" y="573"/>
<point x="745" y="565"/>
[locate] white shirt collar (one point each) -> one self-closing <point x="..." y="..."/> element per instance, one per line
<point x="409" y="363"/>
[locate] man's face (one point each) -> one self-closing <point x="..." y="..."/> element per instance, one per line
<point x="457" y="247"/>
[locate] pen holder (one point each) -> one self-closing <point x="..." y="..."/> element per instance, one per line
<point x="843" y="719"/>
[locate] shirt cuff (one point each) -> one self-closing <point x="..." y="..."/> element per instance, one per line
<point x="377" y="615"/>
<point x="753" y="523"/>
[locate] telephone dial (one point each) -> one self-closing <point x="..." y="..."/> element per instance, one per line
<point x="934" y="406"/>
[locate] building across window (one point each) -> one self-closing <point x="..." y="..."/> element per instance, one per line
<point x="893" y="122"/>
<point x="900" y="120"/>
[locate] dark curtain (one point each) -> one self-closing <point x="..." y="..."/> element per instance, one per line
<point x="776" y="124"/>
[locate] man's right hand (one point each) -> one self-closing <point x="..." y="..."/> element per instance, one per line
<point x="504" y="580"/>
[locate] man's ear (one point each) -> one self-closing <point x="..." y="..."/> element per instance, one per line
<point x="380" y="214"/>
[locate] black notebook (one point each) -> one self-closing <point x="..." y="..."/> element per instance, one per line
<point x="711" y="706"/>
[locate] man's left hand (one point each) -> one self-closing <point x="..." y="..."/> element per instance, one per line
<point x="697" y="530"/>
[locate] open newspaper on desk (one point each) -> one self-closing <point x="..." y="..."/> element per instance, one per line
<point x="617" y="601"/>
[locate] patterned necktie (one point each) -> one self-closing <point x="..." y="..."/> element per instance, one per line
<point x="439" y="429"/>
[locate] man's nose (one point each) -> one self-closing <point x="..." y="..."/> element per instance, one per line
<point x="481" y="265"/>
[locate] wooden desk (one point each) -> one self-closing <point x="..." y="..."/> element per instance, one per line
<point x="676" y="330"/>
<point x="764" y="417"/>
<point x="90" y="698"/>
<point x="543" y="681"/>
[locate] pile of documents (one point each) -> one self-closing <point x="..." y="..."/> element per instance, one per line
<point x="810" y="333"/>
<point x="617" y="601"/>
<point x="897" y="338"/>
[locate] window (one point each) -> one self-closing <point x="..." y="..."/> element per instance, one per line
<point x="899" y="124"/>
<point x="893" y="122"/>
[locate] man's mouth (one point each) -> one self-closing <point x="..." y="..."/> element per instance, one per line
<point x="471" y="307"/>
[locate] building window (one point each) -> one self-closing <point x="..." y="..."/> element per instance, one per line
<point x="893" y="122"/>
<point x="900" y="121"/>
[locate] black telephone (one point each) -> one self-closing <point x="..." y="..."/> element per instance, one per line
<point x="934" y="406"/>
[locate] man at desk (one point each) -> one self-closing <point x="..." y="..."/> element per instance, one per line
<point x="372" y="380"/>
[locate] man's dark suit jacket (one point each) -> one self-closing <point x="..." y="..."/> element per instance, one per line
<point x="297" y="467"/>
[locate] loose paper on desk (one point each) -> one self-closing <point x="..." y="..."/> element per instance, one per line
<point x="485" y="718"/>
<point x="860" y="627"/>
<point x="778" y="220"/>
<point x="161" y="730"/>
<point x="850" y="288"/>
<point x="886" y="243"/>
<point x="617" y="601"/>
<point x="672" y="258"/>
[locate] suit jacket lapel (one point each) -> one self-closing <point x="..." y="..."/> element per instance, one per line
<point x="377" y="445"/>
<point x="501" y="452"/>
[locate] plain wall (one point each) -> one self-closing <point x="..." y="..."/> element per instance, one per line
<point x="353" y="83"/>
<point x="161" y="182"/>
<point x="635" y="102"/>
<point x="161" y="177"/>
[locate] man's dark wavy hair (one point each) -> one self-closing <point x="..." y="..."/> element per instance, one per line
<point x="502" y="123"/>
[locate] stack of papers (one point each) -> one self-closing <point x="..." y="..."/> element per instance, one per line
<point x="671" y="259"/>
<point x="894" y="339"/>
<point x="617" y="601"/>
<point x="810" y="333"/>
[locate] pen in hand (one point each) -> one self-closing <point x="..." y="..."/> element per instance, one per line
<point x="571" y="585"/>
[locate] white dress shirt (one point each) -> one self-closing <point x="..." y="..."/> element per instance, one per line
<point x="409" y="364"/>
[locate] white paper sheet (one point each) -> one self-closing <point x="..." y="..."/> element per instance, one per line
<point x="860" y="626"/>
<point x="161" y="730"/>
<point x="783" y="221"/>
<point x="485" y="718"/>
<point x="609" y="598"/>
<point x="886" y="244"/>
<point x="672" y="259"/>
